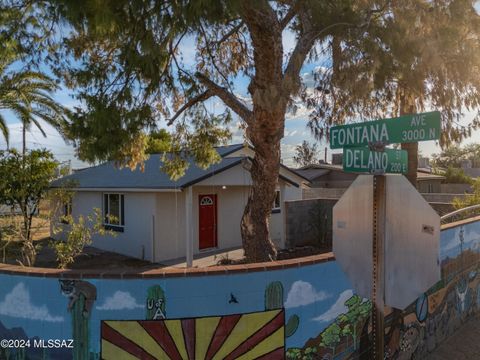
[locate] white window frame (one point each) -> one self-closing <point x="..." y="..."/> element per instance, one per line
<point x="121" y="217"/>
<point x="275" y="208"/>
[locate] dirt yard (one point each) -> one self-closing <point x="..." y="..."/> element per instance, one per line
<point x="92" y="258"/>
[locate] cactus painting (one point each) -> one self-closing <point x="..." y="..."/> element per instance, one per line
<point x="274" y="296"/>
<point x="81" y="295"/>
<point x="155" y="303"/>
<point x="274" y="300"/>
<point x="80" y="333"/>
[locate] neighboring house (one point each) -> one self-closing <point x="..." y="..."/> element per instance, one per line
<point x="159" y="219"/>
<point x="333" y="176"/>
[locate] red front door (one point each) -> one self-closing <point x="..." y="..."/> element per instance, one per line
<point x="207" y="221"/>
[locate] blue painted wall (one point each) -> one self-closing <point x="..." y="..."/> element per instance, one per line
<point x="36" y="307"/>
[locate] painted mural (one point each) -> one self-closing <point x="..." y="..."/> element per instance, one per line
<point x="259" y="335"/>
<point x="308" y="312"/>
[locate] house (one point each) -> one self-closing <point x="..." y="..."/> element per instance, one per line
<point x="332" y="176"/>
<point x="158" y="219"/>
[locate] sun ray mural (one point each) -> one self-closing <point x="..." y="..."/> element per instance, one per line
<point x="259" y="335"/>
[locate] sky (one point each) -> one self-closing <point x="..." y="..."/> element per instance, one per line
<point x="295" y="124"/>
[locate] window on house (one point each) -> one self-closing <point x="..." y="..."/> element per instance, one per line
<point x="114" y="211"/>
<point x="276" y="202"/>
<point x="67" y="211"/>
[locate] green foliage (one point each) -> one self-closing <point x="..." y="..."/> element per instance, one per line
<point x="24" y="29"/>
<point x="158" y="142"/>
<point x="412" y="54"/>
<point x="457" y="176"/>
<point x="305" y="154"/>
<point x="469" y="200"/>
<point x="25" y="181"/>
<point x="79" y="235"/>
<point x="358" y="311"/>
<point x="454" y="155"/>
<point x="309" y="353"/>
<point x="294" y="353"/>
<point x="28" y="94"/>
<point x="451" y="156"/>
<point x="331" y="337"/>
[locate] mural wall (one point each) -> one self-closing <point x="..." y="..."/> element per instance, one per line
<point x="307" y="312"/>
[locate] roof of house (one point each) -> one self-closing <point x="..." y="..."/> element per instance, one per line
<point x="314" y="171"/>
<point x="108" y="176"/>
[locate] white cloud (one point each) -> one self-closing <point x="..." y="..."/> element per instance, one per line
<point x="337" y="308"/>
<point x="120" y="300"/>
<point x="18" y="304"/>
<point x="303" y="293"/>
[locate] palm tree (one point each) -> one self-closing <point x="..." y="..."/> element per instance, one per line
<point x="28" y="94"/>
<point x="3" y="128"/>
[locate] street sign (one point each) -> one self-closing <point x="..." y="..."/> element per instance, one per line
<point x="411" y="239"/>
<point x="404" y="129"/>
<point x="363" y="160"/>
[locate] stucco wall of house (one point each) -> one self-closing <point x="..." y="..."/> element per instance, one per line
<point x="136" y="240"/>
<point x="155" y="227"/>
<point x="169" y="226"/>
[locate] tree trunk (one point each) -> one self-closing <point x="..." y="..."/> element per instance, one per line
<point x="255" y="221"/>
<point x="412" y="149"/>
<point x="407" y="106"/>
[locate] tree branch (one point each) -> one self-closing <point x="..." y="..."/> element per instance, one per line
<point x="230" y="33"/>
<point x="201" y="97"/>
<point x="304" y="45"/>
<point x="214" y="90"/>
<point x="288" y="17"/>
<point x="226" y="96"/>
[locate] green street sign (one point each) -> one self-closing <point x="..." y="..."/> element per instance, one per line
<point x="363" y="160"/>
<point x="404" y="129"/>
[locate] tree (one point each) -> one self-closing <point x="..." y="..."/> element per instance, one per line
<point x="4" y="128"/>
<point x="331" y="337"/>
<point x="28" y="94"/>
<point x="158" y="142"/>
<point x="417" y="54"/>
<point x="305" y="154"/>
<point x="24" y="31"/>
<point x="25" y="181"/>
<point x="358" y="311"/>
<point x="127" y="64"/>
<point x="452" y="156"/>
<point x="457" y="176"/>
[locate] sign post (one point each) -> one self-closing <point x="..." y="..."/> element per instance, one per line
<point x="378" y="268"/>
<point x="390" y="261"/>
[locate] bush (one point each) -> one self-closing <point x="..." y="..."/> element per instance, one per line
<point x="79" y="235"/>
<point x="457" y="176"/>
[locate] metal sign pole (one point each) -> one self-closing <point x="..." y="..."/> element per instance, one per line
<point x="378" y="286"/>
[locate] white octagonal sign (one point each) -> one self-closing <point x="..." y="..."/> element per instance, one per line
<point x="412" y="236"/>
